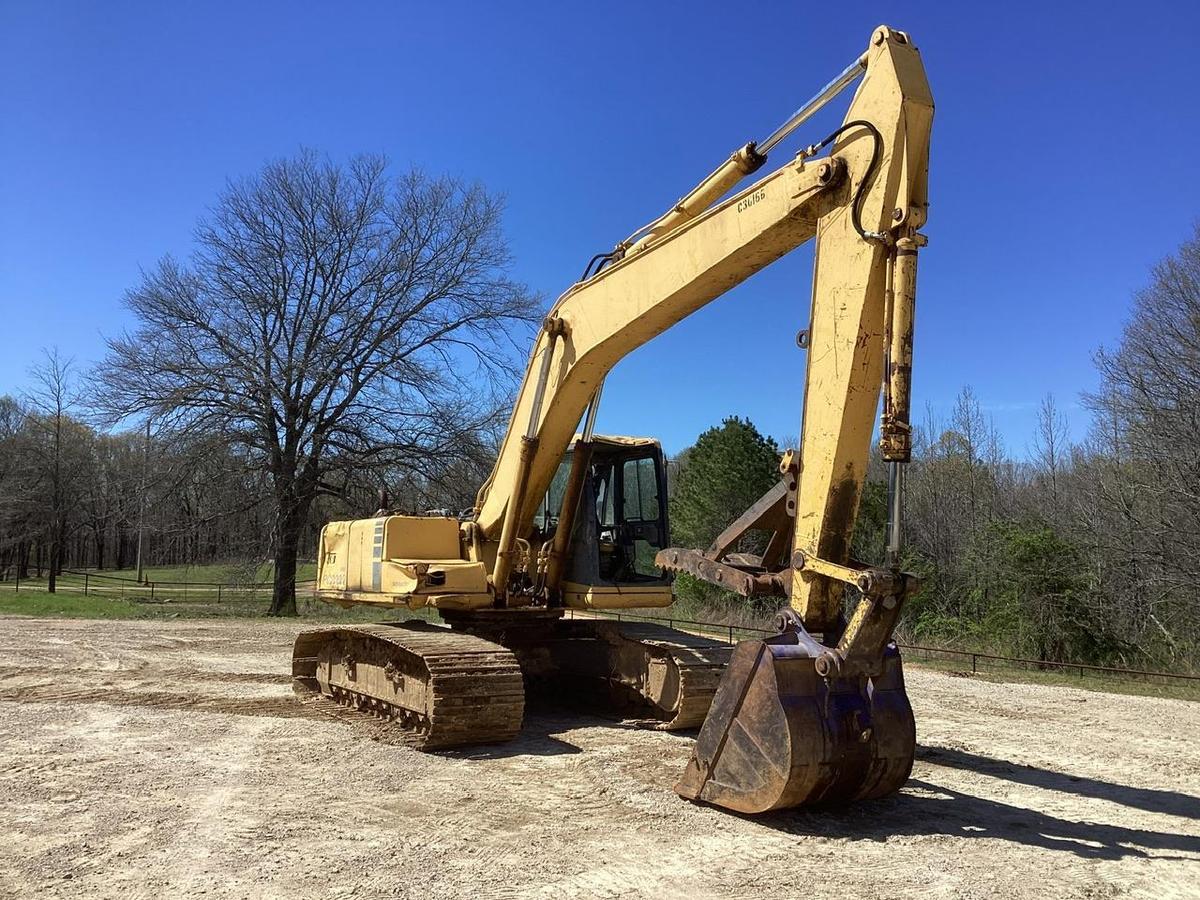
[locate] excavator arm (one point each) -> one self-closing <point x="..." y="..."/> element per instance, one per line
<point x="863" y="203"/>
<point x="818" y="713"/>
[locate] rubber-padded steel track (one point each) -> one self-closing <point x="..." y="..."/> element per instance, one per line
<point x="441" y="688"/>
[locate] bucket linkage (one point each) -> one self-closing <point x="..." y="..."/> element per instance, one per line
<point x="797" y="722"/>
<point x="790" y="726"/>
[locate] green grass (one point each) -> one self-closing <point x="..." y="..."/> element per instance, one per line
<point x="220" y="585"/>
<point x="67" y="605"/>
<point x="1090" y="681"/>
<point x="209" y="591"/>
<point x="69" y="601"/>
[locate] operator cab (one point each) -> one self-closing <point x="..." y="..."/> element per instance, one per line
<point x="621" y="522"/>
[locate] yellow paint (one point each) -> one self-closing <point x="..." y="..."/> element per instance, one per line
<point x="847" y="330"/>
<point x="591" y="596"/>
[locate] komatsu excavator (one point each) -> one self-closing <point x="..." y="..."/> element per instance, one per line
<point x="814" y="714"/>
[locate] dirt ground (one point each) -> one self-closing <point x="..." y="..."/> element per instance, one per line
<point x="143" y="759"/>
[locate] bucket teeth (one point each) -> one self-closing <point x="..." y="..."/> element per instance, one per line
<point x="779" y="735"/>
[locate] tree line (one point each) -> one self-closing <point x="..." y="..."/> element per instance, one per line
<point x="1084" y="550"/>
<point x="340" y="329"/>
<point x="74" y="495"/>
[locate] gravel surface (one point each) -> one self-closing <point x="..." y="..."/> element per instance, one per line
<point x="150" y="759"/>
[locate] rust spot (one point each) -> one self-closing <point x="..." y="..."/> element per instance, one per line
<point x="839" y="520"/>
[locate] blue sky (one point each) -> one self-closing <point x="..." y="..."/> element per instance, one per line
<point x="1064" y="163"/>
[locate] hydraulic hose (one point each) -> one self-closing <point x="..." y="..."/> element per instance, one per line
<point x="876" y="152"/>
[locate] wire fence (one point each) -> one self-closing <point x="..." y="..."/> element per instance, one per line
<point x="977" y="660"/>
<point x="117" y="587"/>
<point x="247" y="591"/>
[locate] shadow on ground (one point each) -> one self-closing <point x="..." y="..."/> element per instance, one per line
<point x="537" y="738"/>
<point x="926" y="807"/>
<point x="1153" y="800"/>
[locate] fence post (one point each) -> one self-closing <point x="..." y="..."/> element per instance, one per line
<point x="17" y="588"/>
<point x="85" y="584"/>
<point x="731" y="635"/>
<point x="152" y="591"/>
<point x="973" y="661"/>
<point x="218" y="592"/>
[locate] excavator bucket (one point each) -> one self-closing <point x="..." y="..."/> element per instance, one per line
<point x="778" y="734"/>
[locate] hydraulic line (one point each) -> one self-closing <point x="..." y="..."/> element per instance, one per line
<point x="601" y="258"/>
<point x="752" y="156"/>
<point x="876" y="152"/>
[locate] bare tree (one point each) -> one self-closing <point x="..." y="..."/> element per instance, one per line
<point x="331" y="318"/>
<point x="1149" y="406"/>
<point x="1051" y="449"/>
<point x="58" y="460"/>
<point x="14" y="537"/>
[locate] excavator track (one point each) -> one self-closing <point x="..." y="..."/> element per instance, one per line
<point x="439" y="688"/>
<point x="679" y="674"/>
<point x="661" y="677"/>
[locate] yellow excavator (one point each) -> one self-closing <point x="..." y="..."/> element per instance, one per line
<point x="816" y="714"/>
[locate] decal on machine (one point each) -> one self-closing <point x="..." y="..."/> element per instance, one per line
<point x="746" y="202"/>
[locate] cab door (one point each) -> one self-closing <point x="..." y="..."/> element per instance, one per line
<point x="643" y="526"/>
<point x="621" y="522"/>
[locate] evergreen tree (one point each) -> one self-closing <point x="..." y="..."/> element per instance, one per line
<point x="726" y="470"/>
